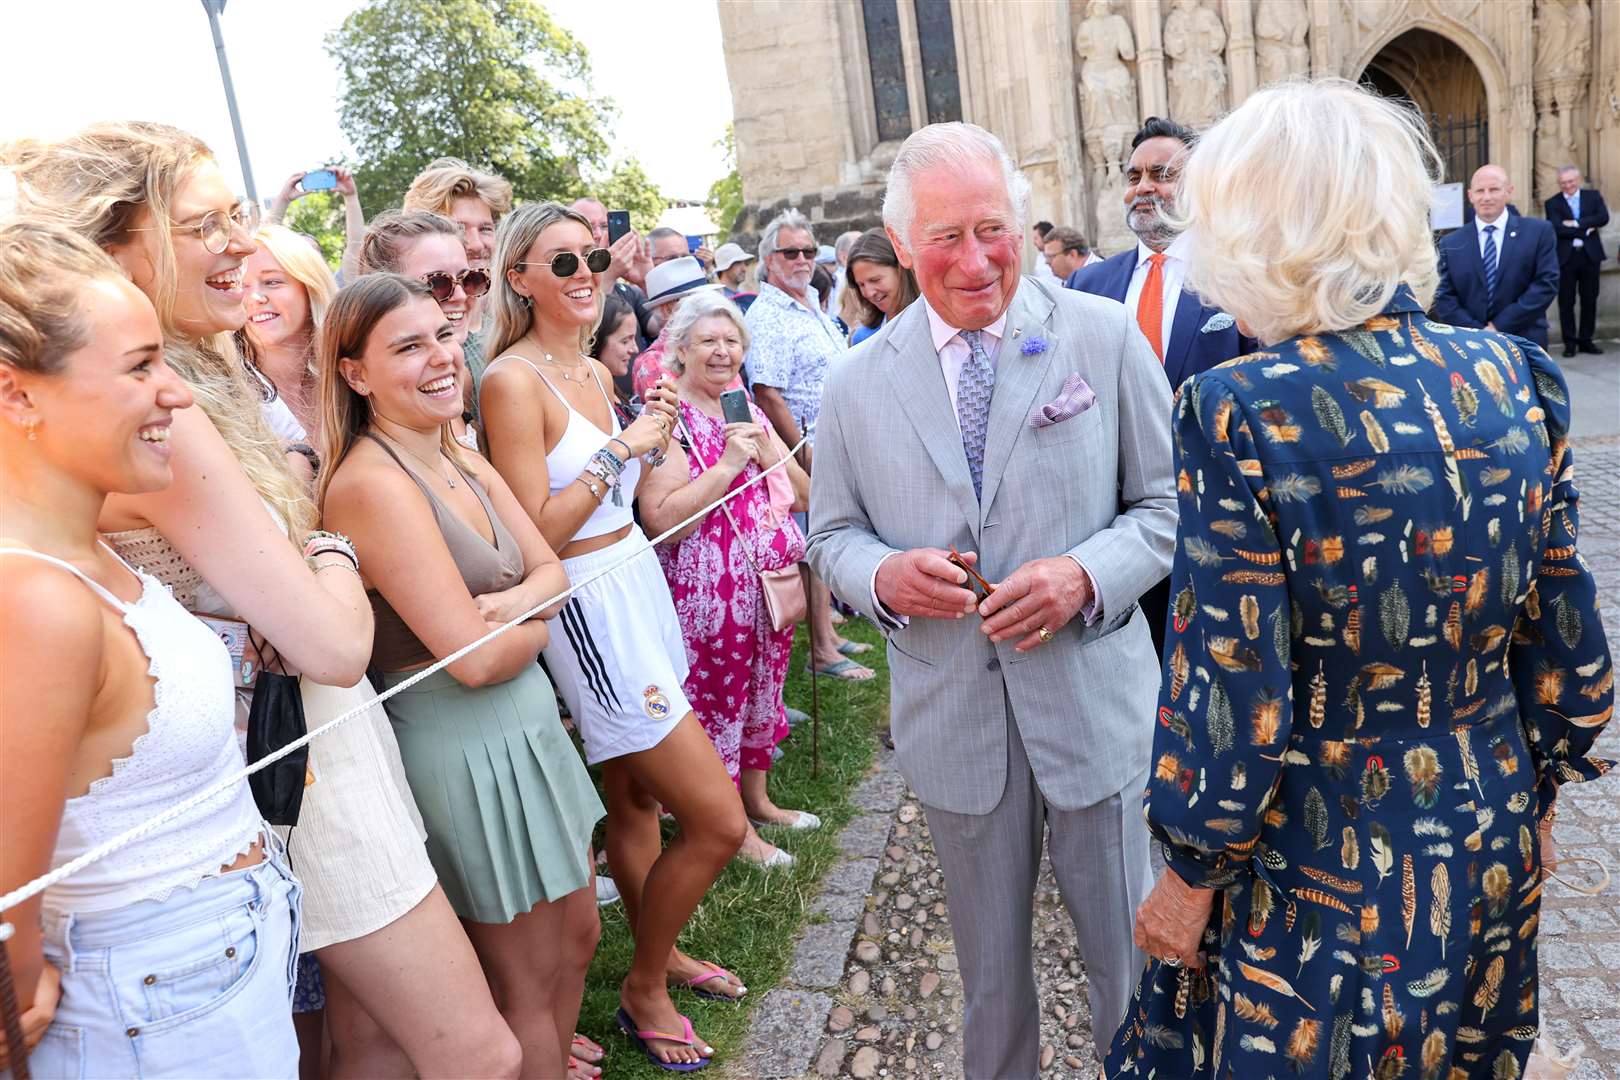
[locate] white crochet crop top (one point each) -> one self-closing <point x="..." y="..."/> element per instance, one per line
<point x="190" y="743"/>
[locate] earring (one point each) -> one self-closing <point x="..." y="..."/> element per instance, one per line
<point x="31" y="426"/>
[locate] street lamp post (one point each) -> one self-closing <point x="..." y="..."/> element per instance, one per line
<point x="215" y="8"/>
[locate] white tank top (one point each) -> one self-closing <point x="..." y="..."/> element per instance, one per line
<point x="189" y="744"/>
<point x="580" y="440"/>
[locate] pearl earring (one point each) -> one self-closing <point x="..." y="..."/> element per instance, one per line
<point x="31" y="426"/>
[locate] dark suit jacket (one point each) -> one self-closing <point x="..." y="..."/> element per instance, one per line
<point x="1191" y="348"/>
<point x="1594" y="214"/>
<point x="1526" y="279"/>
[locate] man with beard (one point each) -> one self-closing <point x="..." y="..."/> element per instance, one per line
<point x="1187" y="335"/>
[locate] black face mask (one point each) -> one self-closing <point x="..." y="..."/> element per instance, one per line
<point x="275" y="719"/>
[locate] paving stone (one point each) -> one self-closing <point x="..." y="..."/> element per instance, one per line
<point x="1586" y="994"/>
<point x="859" y="983"/>
<point x="864" y="837"/>
<point x="866" y="1063"/>
<point x="784" y="1032"/>
<point x="830" y="1062"/>
<point x="818" y="962"/>
<point x="851" y="876"/>
<point x="843" y="907"/>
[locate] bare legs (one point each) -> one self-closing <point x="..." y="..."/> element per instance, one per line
<point x="434" y="1016"/>
<point x="661" y="888"/>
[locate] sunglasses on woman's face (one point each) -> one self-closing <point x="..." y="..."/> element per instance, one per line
<point x="566" y="263"/>
<point x="474" y="283"/>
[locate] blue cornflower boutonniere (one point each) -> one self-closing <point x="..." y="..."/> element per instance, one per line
<point x="1034" y="346"/>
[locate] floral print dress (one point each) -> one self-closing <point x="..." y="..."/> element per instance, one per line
<point x="738" y="660"/>
<point x="1385" y="657"/>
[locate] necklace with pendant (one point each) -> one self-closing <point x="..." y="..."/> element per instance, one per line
<point x="569" y="374"/>
<point x="433" y="466"/>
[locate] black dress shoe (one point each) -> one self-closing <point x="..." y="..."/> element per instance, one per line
<point x="1569" y="350"/>
<point x="1591" y="347"/>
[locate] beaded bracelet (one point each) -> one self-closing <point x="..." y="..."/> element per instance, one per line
<point x="320" y="542"/>
<point x="606" y="468"/>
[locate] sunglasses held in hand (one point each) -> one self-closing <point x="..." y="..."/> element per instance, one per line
<point x="975" y="581"/>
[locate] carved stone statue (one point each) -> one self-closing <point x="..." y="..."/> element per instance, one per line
<point x="1563" y="34"/>
<point x="1554" y="147"/>
<point x="1108" y="118"/>
<point x="1113" y="235"/>
<point x="1280" y="29"/>
<point x="1195" y="39"/>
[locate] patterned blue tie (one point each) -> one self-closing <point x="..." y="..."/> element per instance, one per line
<point x="1489" y="255"/>
<point x="973" y="389"/>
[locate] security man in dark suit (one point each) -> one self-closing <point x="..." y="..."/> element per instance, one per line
<point x="1501" y="271"/>
<point x="1576" y="217"/>
<point x="1188" y="335"/>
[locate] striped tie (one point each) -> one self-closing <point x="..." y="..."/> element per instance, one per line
<point x="1489" y="255"/>
<point x="973" y="389"/>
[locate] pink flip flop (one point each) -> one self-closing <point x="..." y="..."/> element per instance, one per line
<point x="715" y="971"/>
<point x="687" y="1038"/>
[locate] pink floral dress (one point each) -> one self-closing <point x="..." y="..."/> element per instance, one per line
<point x="738" y="661"/>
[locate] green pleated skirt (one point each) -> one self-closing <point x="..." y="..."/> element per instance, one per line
<point x="505" y="798"/>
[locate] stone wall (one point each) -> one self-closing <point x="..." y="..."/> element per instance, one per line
<point x="831" y="211"/>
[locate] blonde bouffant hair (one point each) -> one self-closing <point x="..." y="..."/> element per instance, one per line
<point x="1307" y="205"/>
<point x="447" y="179"/>
<point x="97" y="183"/>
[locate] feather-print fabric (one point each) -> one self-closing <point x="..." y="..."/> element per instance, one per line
<point x="1385" y="657"/>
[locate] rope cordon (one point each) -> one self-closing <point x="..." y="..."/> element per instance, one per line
<point x="102" y="850"/>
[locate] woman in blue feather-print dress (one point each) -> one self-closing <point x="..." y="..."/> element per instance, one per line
<point x="1385" y="654"/>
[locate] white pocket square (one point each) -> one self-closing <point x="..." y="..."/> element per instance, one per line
<point x="1217" y="322"/>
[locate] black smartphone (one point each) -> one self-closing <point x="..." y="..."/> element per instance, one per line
<point x="734" y="407"/>
<point x="618" y="225"/>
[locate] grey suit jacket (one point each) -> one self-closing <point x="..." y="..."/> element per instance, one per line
<point x="891" y="474"/>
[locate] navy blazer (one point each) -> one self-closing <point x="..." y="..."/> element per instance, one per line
<point x="1192" y="348"/>
<point x="1526" y="279"/>
<point x="1594" y="214"/>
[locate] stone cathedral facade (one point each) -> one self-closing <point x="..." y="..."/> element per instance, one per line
<point x="825" y="90"/>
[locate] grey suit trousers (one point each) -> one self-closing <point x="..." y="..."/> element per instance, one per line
<point x="1100" y="858"/>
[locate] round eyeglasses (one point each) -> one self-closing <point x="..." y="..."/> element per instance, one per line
<point x="442" y="285"/>
<point x="214" y="228"/>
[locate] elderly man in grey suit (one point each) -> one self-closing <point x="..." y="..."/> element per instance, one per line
<point x="1027" y="426"/>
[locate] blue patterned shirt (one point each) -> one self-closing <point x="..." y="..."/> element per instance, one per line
<point x="791" y="349"/>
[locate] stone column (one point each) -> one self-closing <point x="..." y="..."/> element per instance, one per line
<point x="1153" y="94"/>
<point x="911" y="50"/>
<point x="1328" y="38"/>
<point x="1241" y="78"/>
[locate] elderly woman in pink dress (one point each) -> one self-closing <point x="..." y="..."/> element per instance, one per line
<point x="738" y="659"/>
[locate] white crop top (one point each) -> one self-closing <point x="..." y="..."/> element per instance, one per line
<point x="190" y="743"/>
<point x="580" y="440"/>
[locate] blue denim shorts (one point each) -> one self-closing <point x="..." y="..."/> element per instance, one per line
<point x="197" y="984"/>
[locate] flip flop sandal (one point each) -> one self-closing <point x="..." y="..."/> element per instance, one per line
<point x="845" y="670"/>
<point x="640" y="1039"/>
<point x="854" y="648"/>
<point x="715" y="971"/>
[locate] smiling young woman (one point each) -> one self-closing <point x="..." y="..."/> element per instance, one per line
<point x="287" y="288"/>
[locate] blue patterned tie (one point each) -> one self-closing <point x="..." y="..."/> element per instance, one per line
<point x="973" y="389"/>
<point x="1489" y="256"/>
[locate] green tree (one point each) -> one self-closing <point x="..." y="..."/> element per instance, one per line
<point x="320" y="214"/>
<point x="496" y="83"/>
<point x="628" y="187"/>
<point x="726" y="194"/>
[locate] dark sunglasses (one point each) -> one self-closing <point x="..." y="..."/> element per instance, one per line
<point x="975" y="581"/>
<point x="566" y="263"/>
<point x="474" y="283"/>
<point x="797" y="253"/>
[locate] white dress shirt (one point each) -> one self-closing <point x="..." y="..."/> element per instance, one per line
<point x="1174" y="271"/>
<point x="1574" y="202"/>
<point x="1499" y="235"/>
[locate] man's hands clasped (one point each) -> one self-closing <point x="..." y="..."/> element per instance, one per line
<point x="1032" y="604"/>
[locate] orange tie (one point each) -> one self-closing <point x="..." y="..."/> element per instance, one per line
<point x="1150" y="306"/>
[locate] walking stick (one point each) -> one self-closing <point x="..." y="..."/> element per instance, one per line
<point x="16" y="1049"/>
<point x="808" y="577"/>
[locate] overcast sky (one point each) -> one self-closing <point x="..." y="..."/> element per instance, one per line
<point x="70" y="62"/>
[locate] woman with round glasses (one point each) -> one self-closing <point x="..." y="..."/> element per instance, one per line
<point x="428" y="247"/>
<point x="228" y="537"/>
<point x="619" y="661"/>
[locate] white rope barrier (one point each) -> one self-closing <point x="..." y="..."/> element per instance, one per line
<point x="107" y="847"/>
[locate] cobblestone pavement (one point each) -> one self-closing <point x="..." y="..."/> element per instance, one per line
<point x="896" y="1010"/>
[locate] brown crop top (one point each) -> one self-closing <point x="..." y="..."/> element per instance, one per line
<point x="484" y="569"/>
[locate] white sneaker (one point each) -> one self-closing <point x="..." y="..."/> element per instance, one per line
<point x="803" y="823"/>
<point x="607" y="893"/>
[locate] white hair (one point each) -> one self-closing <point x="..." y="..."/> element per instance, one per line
<point x="693" y="310"/>
<point x="1307" y="205"/>
<point x="953" y="144"/>
<point x="790" y="218"/>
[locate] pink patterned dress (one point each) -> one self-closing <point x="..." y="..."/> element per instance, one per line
<point x="738" y="661"/>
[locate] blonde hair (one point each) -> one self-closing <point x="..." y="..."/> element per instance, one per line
<point x="304" y="264"/>
<point x="1306" y="206"/>
<point x="513" y="312"/>
<point x="346" y="414"/>
<point x="447" y="179"/>
<point x="97" y="183"/>
<point x="43" y="273"/>
<point x="382" y="250"/>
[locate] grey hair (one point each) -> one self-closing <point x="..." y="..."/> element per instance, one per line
<point x="1562" y="169"/>
<point x="693" y="310"/>
<point x="790" y="218"/>
<point x="957" y="144"/>
<point x="845" y="242"/>
<point x="663" y="231"/>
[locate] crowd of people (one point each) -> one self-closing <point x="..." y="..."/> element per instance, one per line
<point x="1200" y="519"/>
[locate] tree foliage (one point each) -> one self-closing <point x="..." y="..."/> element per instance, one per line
<point x="628" y="187"/>
<point x="726" y="194"/>
<point x="497" y="83"/>
<point x="320" y="214"/>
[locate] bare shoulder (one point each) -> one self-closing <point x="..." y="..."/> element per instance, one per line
<point x="47" y="615"/>
<point x="368" y="478"/>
